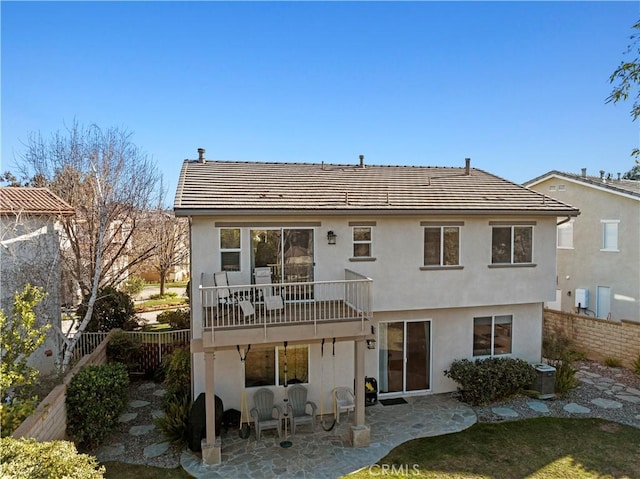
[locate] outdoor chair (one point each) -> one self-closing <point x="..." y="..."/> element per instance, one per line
<point x="343" y="400"/>
<point x="264" y="413"/>
<point x="272" y="302"/>
<point x="224" y="293"/>
<point x="299" y="406"/>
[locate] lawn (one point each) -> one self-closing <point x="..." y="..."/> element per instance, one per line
<point x="542" y="448"/>
<point x="535" y="448"/>
<point x="161" y="303"/>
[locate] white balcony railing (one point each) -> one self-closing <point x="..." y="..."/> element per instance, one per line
<point x="259" y="305"/>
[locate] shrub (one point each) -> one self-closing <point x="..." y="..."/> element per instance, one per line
<point x="565" y="376"/>
<point x="124" y="348"/>
<point x="166" y="295"/>
<point x="133" y="286"/>
<point x="636" y="365"/>
<point x="27" y="459"/>
<point x="612" y="362"/>
<point x="491" y="379"/>
<point x="560" y="355"/>
<point x="14" y="411"/>
<point x="95" y="398"/>
<point x="112" y="309"/>
<point x="176" y="403"/>
<point x="177" y="319"/>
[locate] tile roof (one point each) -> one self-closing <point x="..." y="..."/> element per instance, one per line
<point x="630" y="187"/>
<point x="39" y="201"/>
<point x="224" y="187"/>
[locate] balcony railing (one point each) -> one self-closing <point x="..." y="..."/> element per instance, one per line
<point x="259" y="305"/>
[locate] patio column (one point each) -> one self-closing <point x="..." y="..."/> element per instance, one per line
<point x="360" y="433"/>
<point x="211" y="446"/>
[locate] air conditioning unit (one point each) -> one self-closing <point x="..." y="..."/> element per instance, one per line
<point x="582" y="298"/>
<point x="545" y="382"/>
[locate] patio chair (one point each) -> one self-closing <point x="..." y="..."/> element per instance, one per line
<point x="224" y="293"/>
<point x="272" y="302"/>
<point x="298" y="407"/>
<point x="343" y="400"/>
<point x="264" y="413"/>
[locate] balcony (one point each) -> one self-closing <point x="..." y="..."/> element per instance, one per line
<point x="300" y="311"/>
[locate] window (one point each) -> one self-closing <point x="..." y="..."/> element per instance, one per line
<point x="609" y="235"/>
<point x="267" y="366"/>
<point x="441" y="246"/>
<point x="230" y="249"/>
<point x="511" y="244"/>
<point x="362" y="242"/>
<point x="492" y="335"/>
<point x="565" y="235"/>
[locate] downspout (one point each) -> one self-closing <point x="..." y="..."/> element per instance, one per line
<point x="566" y="220"/>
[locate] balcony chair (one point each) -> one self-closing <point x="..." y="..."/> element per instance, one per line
<point x="343" y="400"/>
<point x="264" y="413"/>
<point x="298" y="407"/>
<point x="272" y="302"/>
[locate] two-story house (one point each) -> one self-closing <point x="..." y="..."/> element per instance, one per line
<point x="405" y="268"/>
<point x="598" y="252"/>
<point x="30" y="253"/>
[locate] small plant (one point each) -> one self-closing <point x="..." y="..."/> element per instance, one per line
<point x="612" y="362"/>
<point x="124" y="348"/>
<point x="173" y="423"/>
<point x="559" y="354"/>
<point x="166" y="295"/>
<point x="176" y="403"/>
<point x="133" y="286"/>
<point x="636" y="365"/>
<point x="95" y="398"/>
<point x="177" y="319"/>
<point x="485" y="380"/>
<point x="28" y="458"/>
<point x="113" y="309"/>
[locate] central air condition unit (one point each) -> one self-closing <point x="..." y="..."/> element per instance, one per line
<point x="545" y="382"/>
<point x="582" y="298"/>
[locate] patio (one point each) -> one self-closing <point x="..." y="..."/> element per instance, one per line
<point x="323" y="454"/>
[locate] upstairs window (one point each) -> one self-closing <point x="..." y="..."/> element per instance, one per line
<point x="565" y="235"/>
<point x="609" y="235"/>
<point x="230" y="249"/>
<point x="442" y="246"/>
<point x="492" y="335"/>
<point x="512" y="244"/>
<point x="362" y="241"/>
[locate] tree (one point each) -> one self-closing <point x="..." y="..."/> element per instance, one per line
<point x="633" y="173"/>
<point x="626" y="79"/>
<point x="110" y="182"/>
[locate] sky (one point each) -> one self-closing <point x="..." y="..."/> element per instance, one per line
<point x="519" y="87"/>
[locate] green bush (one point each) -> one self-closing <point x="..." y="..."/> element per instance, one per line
<point x="176" y="403"/>
<point x="636" y="365"/>
<point x="565" y="376"/>
<point x="177" y="319"/>
<point x="95" y="398"/>
<point x="166" y="295"/>
<point x="559" y="353"/>
<point x="124" y="348"/>
<point x="112" y="309"/>
<point x="13" y="412"/>
<point x="485" y="380"/>
<point x="133" y="286"/>
<point x="28" y="459"/>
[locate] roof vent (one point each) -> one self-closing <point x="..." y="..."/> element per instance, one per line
<point x="619" y="176"/>
<point x="584" y="172"/>
<point x="467" y="166"/>
<point x="201" y="157"/>
<point x="361" y="161"/>
<point x="601" y="175"/>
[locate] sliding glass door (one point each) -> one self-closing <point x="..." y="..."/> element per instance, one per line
<point x="405" y="356"/>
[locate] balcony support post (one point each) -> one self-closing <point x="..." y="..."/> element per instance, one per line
<point x="360" y="432"/>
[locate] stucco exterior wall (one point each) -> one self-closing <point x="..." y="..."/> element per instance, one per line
<point x="586" y="265"/>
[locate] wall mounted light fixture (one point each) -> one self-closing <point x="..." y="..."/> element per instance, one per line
<point x="331" y="237"/>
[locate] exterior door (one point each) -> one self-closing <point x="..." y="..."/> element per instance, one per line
<point x="288" y="252"/>
<point x="405" y="356"/>
<point x="603" y="301"/>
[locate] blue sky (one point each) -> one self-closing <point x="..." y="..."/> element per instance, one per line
<point x="519" y="87"/>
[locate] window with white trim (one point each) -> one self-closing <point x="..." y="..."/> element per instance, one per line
<point x="230" y="249"/>
<point x="511" y="244"/>
<point x="362" y="241"/>
<point x="441" y="245"/>
<point x="492" y="335"/>
<point x="276" y="366"/>
<point x="609" y="235"/>
<point x="565" y="235"/>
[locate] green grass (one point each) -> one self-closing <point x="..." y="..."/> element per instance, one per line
<point x="181" y="284"/>
<point x="162" y="303"/>
<point x="120" y="470"/>
<point x="536" y="448"/>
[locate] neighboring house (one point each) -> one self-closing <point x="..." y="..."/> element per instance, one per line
<point x="406" y="268"/>
<point x="30" y="253"/>
<point x="598" y="252"/>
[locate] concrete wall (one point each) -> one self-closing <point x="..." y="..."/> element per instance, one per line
<point x="49" y="420"/>
<point x="596" y="338"/>
<point x="586" y="265"/>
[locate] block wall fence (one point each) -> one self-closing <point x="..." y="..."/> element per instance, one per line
<point x="596" y="338"/>
<point x="49" y="421"/>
